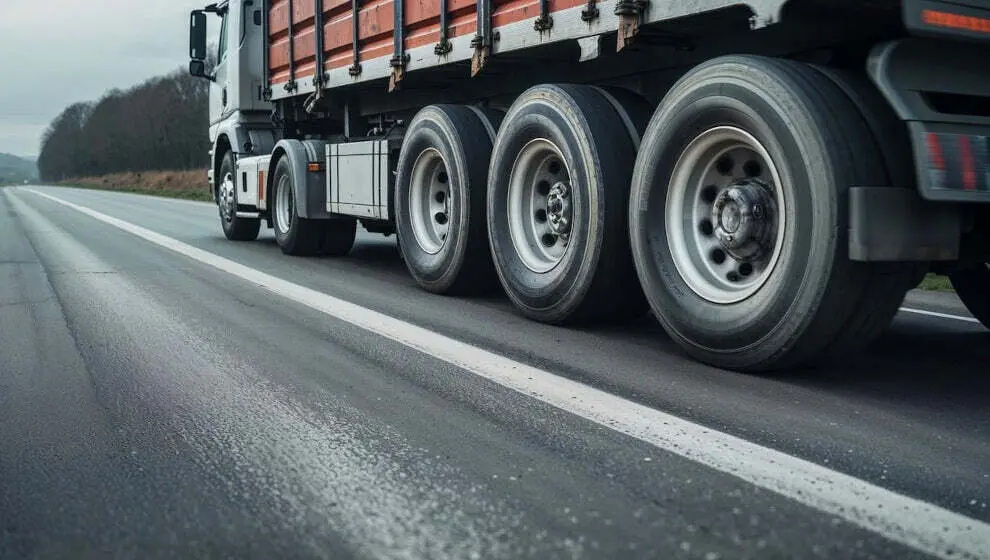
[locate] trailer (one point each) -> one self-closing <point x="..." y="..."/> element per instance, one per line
<point x="767" y="177"/>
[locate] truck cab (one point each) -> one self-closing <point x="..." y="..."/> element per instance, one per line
<point x="240" y="114"/>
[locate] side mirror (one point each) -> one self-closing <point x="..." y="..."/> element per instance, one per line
<point x="198" y="68"/>
<point x="197" y="35"/>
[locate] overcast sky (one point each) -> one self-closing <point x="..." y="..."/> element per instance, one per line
<point x="57" y="52"/>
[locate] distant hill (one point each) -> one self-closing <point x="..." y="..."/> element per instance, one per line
<point x="17" y="170"/>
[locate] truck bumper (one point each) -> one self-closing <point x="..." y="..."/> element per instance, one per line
<point x="941" y="89"/>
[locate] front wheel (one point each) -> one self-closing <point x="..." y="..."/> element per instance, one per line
<point x="234" y="228"/>
<point x="972" y="285"/>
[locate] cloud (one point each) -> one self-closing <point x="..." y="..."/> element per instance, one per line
<point x="58" y="52"/>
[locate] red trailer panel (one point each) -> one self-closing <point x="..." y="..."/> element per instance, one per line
<point x="376" y="25"/>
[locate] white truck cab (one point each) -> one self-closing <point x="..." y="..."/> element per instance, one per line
<point x="240" y="116"/>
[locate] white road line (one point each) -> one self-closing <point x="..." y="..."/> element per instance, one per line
<point x="914" y="523"/>
<point x="940" y="315"/>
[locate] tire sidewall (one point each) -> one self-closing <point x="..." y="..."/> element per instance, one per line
<point x="433" y="128"/>
<point x="287" y="239"/>
<point x="540" y="114"/>
<point x="972" y="286"/>
<point x="791" y="293"/>
<point x="227" y="166"/>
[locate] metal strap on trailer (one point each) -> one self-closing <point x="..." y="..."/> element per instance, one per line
<point x="443" y="45"/>
<point x="265" y="14"/>
<point x="291" y="85"/>
<point x="544" y="22"/>
<point x="320" y="76"/>
<point x="355" y="69"/>
<point x="400" y="57"/>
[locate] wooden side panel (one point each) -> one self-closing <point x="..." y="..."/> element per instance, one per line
<point x="278" y="41"/>
<point x="375" y="25"/>
<point x="376" y="22"/>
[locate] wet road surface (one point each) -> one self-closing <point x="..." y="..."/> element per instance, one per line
<point x="165" y="392"/>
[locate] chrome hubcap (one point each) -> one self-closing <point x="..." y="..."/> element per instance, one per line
<point x="540" y="206"/>
<point x="743" y="215"/>
<point x="725" y="215"/>
<point x="429" y="201"/>
<point x="284" y="205"/>
<point x="227" y="202"/>
<point x="559" y="210"/>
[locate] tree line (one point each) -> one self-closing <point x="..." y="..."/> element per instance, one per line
<point x="161" y="124"/>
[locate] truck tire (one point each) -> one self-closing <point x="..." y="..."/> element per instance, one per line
<point x="338" y="236"/>
<point x="294" y="235"/>
<point x="234" y="228"/>
<point x="441" y="178"/>
<point x="889" y="282"/>
<point x="972" y="285"/>
<point x="558" y="193"/>
<point x="738" y="218"/>
<point x="633" y="110"/>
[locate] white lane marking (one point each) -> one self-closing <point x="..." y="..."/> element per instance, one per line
<point x="940" y="315"/>
<point x="908" y="521"/>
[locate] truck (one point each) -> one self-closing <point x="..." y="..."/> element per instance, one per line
<point x="767" y="178"/>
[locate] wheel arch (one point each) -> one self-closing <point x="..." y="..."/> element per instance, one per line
<point x="219" y="152"/>
<point x="310" y="194"/>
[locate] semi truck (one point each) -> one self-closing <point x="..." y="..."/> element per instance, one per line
<point x="767" y="178"/>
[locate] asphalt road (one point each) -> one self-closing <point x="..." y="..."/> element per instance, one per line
<point x="165" y="392"/>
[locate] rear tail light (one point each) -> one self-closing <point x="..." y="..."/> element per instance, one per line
<point x="951" y="20"/>
<point x="958" y="161"/>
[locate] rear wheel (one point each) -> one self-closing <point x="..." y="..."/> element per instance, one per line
<point x="338" y="236"/>
<point x="973" y="287"/>
<point x="557" y="200"/>
<point x="234" y="228"/>
<point x="441" y="179"/>
<point x="739" y="222"/>
<point x="294" y="235"/>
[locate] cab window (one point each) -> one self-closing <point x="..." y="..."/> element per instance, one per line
<point x="222" y="54"/>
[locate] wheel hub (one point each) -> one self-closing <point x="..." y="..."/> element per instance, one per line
<point x="429" y="201"/>
<point x="744" y="216"/>
<point x="226" y="202"/>
<point x="725" y="215"/>
<point x="559" y="209"/>
<point x="540" y="206"/>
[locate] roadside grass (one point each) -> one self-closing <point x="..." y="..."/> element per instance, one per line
<point x="188" y="185"/>
<point x="185" y="194"/>
<point x="936" y="283"/>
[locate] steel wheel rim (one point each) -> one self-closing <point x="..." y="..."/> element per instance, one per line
<point x="429" y="201"/>
<point x="227" y="209"/>
<point x="539" y="208"/>
<point x="284" y="205"/>
<point x="725" y="179"/>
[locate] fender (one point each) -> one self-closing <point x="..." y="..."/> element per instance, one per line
<point x="309" y="187"/>
<point x="247" y="134"/>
